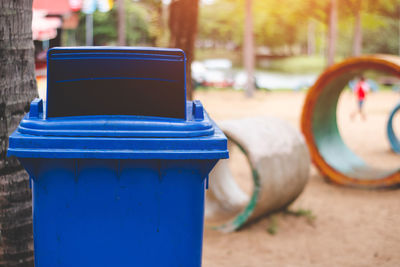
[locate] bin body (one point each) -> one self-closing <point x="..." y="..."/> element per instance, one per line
<point x="117" y="190"/>
<point x="99" y="212"/>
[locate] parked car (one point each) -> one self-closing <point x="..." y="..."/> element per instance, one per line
<point x="212" y="73"/>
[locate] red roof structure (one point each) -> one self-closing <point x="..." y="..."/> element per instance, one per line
<point x="47" y="17"/>
<point x="44" y="28"/>
<point x="57" y="7"/>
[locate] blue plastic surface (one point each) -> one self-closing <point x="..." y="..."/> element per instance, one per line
<point x="118" y="190"/>
<point x="92" y="212"/>
<point x="118" y="137"/>
<point x="393" y="139"/>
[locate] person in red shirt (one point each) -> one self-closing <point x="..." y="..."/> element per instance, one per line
<point x="361" y="90"/>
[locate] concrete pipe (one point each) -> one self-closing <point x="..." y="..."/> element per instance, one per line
<point x="328" y="151"/>
<point x="393" y="140"/>
<point x="279" y="163"/>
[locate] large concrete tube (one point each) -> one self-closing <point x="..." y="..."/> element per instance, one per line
<point x="319" y="125"/>
<point x="393" y="140"/>
<point x="279" y="162"/>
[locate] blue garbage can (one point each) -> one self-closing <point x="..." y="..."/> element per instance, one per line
<point x="118" y="160"/>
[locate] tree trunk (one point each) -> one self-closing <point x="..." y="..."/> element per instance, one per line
<point x="398" y="23"/>
<point x="248" y="55"/>
<point x="332" y="32"/>
<point x="183" y="16"/>
<point x="121" y="23"/>
<point x="311" y="38"/>
<point x="17" y="89"/>
<point x="89" y="29"/>
<point x="357" y="42"/>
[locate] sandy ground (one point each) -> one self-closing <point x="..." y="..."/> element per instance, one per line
<point x="352" y="227"/>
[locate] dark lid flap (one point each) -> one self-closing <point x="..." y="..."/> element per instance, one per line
<point x="86" y="81"/>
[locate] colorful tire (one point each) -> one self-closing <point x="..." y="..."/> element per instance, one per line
<point x="318" y="122"/>
<point x="394" y="141"/>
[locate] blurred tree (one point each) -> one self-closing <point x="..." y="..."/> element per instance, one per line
<point x="356" y="7"/>
<point x="381" y="34"/>
<point x="221" y="23"/>
<point x="158" y="20"/>
<point x="326" y="12"/>
<point x="366" y="17"/>
<point x="121" y="23"/>
<point x="371" y="18"/>
<point x="248" y="48"/>
<point x="311" y="32"/>
<point x="280" y="23"/>
<point x="390" y="10"/>
<point x="139" y="29"/>
<point x="332" y="32"/>
<point x="386" y="8"/>
<point x="282" y="26"/>
<point x="17" y="89"/>
<point x="276" y="24"/>
<point x="182" y="24"/>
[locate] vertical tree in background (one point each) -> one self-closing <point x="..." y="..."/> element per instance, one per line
<point x="357" y="41"/>
<point x="248" y="53"/>
<point x="121" y="23"/>
<point x="398" y="32"/>
<point x="183" y="15"/>
<point x="332" y="32"/>
<point x="325" y="11"/>
<point x="17" y="89"/>
<point x="355" y="7"/>
<point x="389" y="9"/>
<point x="311" y="37"/>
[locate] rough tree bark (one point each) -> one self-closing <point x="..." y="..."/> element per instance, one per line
<point x="17" y="89"/>
<point x="183" y="15"/>
<point x="332" y="32"/>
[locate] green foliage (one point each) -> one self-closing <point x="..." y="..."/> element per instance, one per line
<point x="278" y="23"/>
<point x="222" y="21"/>
<point x="273" y="219"/>
<point x="298" y="64"/>
<point x="140" y="26"/>
<point x="272" y="228"/>
<point x="275" y="24"/>
<point x="302" y="213"/>
<point x="235" y="57"/>
<point x="282" y="24"/>
<point x="373" y="24"/>
<point x="104" y="27"/>
<point x="383" y="39"/>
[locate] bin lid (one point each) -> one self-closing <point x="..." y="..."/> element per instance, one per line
<point x="112" y="102"/>
<point x="116" y="81"/>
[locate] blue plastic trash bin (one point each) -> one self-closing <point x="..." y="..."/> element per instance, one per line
<point x="118" y="160"/>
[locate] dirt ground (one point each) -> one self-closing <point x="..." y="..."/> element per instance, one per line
<point x="352" y="227"/>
